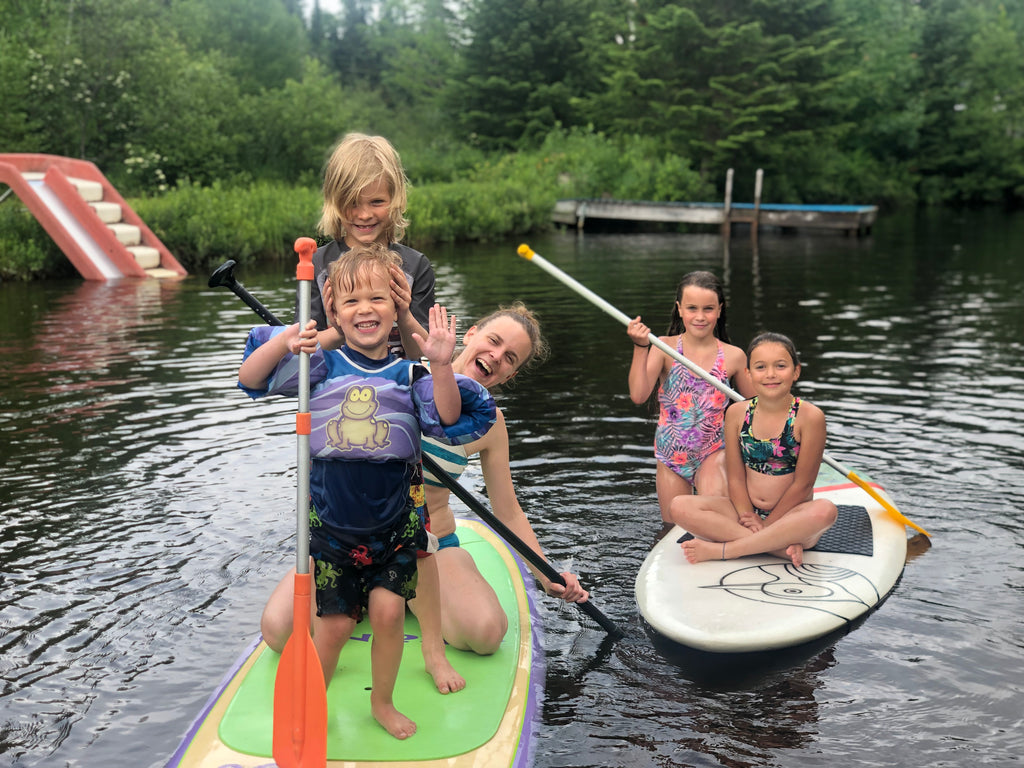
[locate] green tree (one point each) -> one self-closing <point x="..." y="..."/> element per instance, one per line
<point x="16" y="127"/>
<point x="350" y="49"/>
<point x="290" y="130"/>
<point x="88" y="75"/>
<point x="524" y="65"/>
<point x="973" y="132"/>
<point x="744" y="84"/>
<point x="263" y="43"/>
<point x="884" y="87"/>
<point x="187" y="128"/>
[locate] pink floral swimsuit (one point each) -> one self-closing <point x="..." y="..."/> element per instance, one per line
<point x="690" y="425"/>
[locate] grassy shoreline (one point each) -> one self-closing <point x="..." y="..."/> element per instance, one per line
<point x="502" y="196"/>
<point x="203" y="226"/>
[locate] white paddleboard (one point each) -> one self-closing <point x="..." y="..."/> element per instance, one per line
<point x="763" y="602"/>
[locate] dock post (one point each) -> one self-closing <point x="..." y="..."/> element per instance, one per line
<point x="727" y="208"/>
<point x="756" y="223"/>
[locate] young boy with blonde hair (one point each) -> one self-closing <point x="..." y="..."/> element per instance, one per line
<point x="369" y="408"/>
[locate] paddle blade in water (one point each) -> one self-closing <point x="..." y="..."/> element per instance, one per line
<point x="300" y="696"/>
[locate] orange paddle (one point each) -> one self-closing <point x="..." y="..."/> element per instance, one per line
<point x="300" y="696"/>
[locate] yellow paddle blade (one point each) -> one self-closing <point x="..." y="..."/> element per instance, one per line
<point x="852" y="476"/>
<point x="300" y="696"/>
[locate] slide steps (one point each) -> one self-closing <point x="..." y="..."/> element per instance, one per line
<point x="87" y="218"/>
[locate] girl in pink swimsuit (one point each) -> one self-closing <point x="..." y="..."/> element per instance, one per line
<point x="688" y="439"/>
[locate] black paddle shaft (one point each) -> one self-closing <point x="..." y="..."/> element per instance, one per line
<point x="518" y="544"/>
<point x="223" y="277"/>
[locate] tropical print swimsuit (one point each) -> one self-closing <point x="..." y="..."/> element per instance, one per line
<point x="776" y="455"/>
<point x="692" y="414"/>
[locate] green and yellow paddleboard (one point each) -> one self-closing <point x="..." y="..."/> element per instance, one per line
<point x="490" y="722"/>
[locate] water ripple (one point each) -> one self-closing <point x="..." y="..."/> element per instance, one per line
<point x="149" y="505"/>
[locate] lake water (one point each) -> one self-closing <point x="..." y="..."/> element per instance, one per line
<point x="148" y="505"/>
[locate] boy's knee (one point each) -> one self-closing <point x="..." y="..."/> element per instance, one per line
<point x="333" y="629"/>
<point x="387" y="613"/>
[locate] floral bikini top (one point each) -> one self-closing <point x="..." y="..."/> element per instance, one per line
<point x="776" y="455"/>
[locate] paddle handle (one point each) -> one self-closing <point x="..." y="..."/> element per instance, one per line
<point x="520" y="546"/>
<point x="534" y="258"/>
<point x="225" y="275"/>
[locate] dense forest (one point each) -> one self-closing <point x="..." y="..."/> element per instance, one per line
<point x="895" y="102"/>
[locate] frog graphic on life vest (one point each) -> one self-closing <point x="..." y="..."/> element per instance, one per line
<point x="357" y="426"/>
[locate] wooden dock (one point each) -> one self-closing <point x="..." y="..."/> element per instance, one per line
<point x="850" y="219"/>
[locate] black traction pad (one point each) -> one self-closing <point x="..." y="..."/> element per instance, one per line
<point x="850" y="535"/>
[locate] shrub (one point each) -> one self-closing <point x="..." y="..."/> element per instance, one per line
<point x="203" y="226"/>
<point x="26" y="250"/>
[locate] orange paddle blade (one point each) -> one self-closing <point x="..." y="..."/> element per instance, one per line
<point x="300" y="696"/>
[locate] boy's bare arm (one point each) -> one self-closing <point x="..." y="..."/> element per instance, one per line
<point x="438" y="347"/>
<point x="257" y="367"/>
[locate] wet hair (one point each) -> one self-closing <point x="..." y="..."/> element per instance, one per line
<point x="773" y="338"/>
<point x="355" y="266"/>
<point x="522" y="315"/>
<point x="709" y="281"/>
<point x="356" y="163"/>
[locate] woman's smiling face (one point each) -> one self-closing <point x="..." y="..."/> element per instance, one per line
<point x="494" y="352"/>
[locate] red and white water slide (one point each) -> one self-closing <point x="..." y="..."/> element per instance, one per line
<point x="87" y="218"/>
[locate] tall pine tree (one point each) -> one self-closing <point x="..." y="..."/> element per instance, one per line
<point x="523" y="66"/>
<point x="741" y="84"/>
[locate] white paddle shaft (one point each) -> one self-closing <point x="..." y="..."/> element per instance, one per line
<point x="302" y="440"/>
<point x="532" y="256"/>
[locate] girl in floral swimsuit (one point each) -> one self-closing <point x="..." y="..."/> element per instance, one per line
<point x="688" y="439"/>
<point x="773" y="449"/>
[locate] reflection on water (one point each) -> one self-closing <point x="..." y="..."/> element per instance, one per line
<point x="148" y="506"/>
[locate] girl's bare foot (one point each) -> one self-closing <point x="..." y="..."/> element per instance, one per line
<point x="393" y="721"/>
<point x="699" y="550"/>
<point x="795" y="552"/>
<point x="445" y="677"/>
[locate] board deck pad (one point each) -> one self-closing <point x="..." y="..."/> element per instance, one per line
<point x="447" y="725"/>
<point x="849" y="535"/>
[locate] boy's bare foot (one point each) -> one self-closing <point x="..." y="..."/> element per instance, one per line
<point x="393" y="721"/>
<point x="445" y="677"/>
<point x="699" y="550"/>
